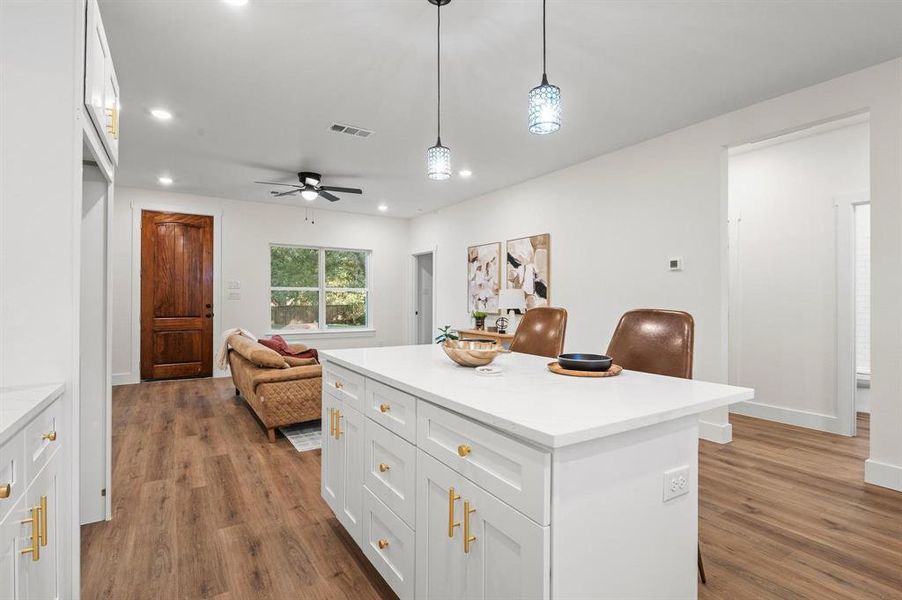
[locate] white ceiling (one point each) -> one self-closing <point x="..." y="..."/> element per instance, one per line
<point x="254" y="89"/>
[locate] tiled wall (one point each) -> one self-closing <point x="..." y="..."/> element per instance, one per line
<point x="863" y="288"/>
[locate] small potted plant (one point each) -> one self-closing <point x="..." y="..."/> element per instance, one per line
<point x="479" y="316"/>
<point x="446" y="333"/>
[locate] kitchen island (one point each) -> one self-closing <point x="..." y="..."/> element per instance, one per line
<point x="522" y="485"/>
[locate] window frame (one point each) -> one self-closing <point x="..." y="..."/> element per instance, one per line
<point x="322" y="290"/>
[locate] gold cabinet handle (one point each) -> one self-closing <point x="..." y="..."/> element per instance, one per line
<point x="332" y="422"/>
<point x="383" y="467"/>
<point x="35" y="520"/>
<point x="464" y="450"/>
<point x="383" y="544"/>
<point x="50" y="437"/>
<point x="6" y="490"/>
<point x="468" y="539"/>
<point x="337" y="424"/>
<point x="384" y="407"/>
<point x="338" y="385"/>
<point x="452" y="498"/>
<point x="113" y="125"/>
<point x="42" y="531"/>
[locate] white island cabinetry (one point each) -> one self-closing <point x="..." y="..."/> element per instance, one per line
<point x="527" y="485"/>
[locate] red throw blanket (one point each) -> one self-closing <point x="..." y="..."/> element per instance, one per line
<point x="278" y="343"/>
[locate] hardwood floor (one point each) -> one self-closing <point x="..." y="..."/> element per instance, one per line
<point x="205" y="507"/>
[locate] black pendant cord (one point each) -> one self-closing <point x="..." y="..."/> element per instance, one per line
<point x="438" y="69"/>
<point x="544" y="60"/>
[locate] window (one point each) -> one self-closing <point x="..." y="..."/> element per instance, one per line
<point x="318" y="289"/>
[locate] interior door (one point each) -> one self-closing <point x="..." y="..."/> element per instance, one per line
<point x="440" y="555"/>
<point x="176" y="295"/>
<point x="424" y="298"/>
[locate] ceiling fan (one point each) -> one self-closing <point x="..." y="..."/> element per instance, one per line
<point x="310" y="188"/>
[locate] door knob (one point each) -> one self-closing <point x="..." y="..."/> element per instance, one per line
<point x="208" y="306"/>
<point x="209" y="315"/>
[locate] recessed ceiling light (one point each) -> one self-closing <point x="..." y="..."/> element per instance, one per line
<point x="465" y="173"/>
<point x="161" y="114"/>
<point x="236" y="2"/>
<point x="164" y="180"/>
<point x="383" y="207"/>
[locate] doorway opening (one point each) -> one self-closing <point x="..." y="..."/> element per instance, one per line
<point x="796" y="307"/>
<point x="423" y="300"/>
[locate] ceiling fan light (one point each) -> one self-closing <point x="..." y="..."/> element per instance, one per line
<point x="544" y="108"/>
<point x="309" y="195"/>
<point x="438" y="162"/>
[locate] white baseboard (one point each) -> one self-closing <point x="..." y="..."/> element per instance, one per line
<point x="124" y="378"/>
<point x="720" y="433"/>
<point x="883" y="474"/>
<point x="789" y="416"/>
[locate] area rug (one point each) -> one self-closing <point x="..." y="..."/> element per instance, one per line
<point x="304" y="436"/>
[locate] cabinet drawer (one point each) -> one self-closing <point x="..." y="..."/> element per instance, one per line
<point x="391" y="471"/>
<point x="43" y="437"/>
<point x="12" y="472"/>
<point x="517" y="473"/>
<point x="395" y="559"/>
<point x="392" y="408"/>
<point x="344" y="384"/>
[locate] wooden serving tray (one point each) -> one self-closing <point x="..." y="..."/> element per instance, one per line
<point x="555" y="367"/>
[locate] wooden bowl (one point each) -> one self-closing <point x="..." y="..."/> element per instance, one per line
<point x="471" y="353"/>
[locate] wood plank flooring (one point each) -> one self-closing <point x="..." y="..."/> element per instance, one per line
<point x="205" y="507"/>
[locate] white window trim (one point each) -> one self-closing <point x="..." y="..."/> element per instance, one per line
<point x="368" y="329"/>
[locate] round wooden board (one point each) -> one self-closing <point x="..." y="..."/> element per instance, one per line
<point x="555" y="367"/>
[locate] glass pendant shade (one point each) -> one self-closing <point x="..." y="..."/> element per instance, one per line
<point x="438" y="162"/>
<point x="544" y="108"/>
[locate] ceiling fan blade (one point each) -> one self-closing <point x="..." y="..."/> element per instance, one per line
<point x="288" y="193"/>
<point x="274" y="183"/>
<point x="344" y="190"/>
<point x="328" y="196"/>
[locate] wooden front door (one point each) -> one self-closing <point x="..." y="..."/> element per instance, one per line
<point x="176" y="295"/>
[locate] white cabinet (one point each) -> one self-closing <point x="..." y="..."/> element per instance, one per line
<point x="41" y="577"/>
<point x="472" y="545"/>
<point x="101" y="86"/>
<point x="11" y="528"/>
<point x="342" y="463"/>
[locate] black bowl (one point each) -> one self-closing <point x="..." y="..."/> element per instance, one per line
<point x="578" y="361"/>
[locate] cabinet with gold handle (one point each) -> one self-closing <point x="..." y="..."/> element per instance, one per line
<point x="452" y="498"/>
<point x="468" y="539"/>
<point x="6" y="490"/>
<point x="35" y="520"/>
<point x="338" y="424"/>
<point x="50" y="437"/>
<point x="383" y="467"/>
<point x="383" y="544"/>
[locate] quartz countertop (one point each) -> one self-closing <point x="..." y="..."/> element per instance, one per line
<point x="530" y="402"/>
<point x="19" y="404"/>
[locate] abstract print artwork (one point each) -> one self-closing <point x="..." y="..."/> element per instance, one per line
<point x="529" y="268"/>
<point x="483" y="277"/>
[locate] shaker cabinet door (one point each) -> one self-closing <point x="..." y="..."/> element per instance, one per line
<point x="14" y="536"/>
<point x="331" y="472"/>
<point x="349" y="430"/>
<point x="41" y="577"/>
<point x="440" y="556"/>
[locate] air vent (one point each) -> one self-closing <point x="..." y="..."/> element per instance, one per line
<point x="350" y="130"/>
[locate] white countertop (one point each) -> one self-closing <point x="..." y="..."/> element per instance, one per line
<point x="19" y="404"/>
<point x="529" y="401"/>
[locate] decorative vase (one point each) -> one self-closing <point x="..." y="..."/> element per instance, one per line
<point x="480" y="322"/>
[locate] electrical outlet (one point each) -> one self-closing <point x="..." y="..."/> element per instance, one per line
<point x="676" y="483"/>
<point x="675" y="264"/>
<point x="234" y="295"/>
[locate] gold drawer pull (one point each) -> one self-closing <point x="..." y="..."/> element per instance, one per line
<point x="338" y="385"/>
<point x="452" y="498"/>
<point x="6" y="490"/>
<point x="35" y="520"/>
<point x="468" y="539"/>
<point x="337" y="424"/>
<point x="50" y="437"/>
<point x="464" y="450"/>
<point x="383" y="467"/>
<point x="42" y="533"/>
<point x="385" y="407"/>
<point x="383" y="544"/>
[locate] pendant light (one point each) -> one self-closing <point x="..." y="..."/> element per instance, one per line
<point x="544" y="99"/>
<point x="438" y="157"/>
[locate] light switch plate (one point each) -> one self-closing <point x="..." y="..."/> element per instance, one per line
<point x="234" y="295"/>
<point x="234" y="285"/>
<point x="676" y="483"/>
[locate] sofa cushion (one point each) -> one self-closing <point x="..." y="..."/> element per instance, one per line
<point x="290" y="374"/>
<point x="256" y="353"/>
<point x="294" y="361"/>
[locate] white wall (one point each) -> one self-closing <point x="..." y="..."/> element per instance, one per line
<point x="783" y="274"/>
<point x="616" y="219"/>
<point x="247" y="230"/>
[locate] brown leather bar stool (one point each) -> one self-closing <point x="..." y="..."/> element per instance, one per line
<point x="541" y="332"/>
<point x="656" y="341"/>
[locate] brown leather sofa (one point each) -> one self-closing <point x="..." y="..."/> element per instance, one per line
<point x="280" y="390"/>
